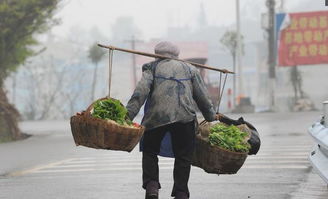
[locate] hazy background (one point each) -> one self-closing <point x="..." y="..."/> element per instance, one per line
<point x="57" y="83"/>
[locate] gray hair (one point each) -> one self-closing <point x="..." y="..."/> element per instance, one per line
<point x="167" y="49"/>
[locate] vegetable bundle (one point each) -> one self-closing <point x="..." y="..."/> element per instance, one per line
<point x="228" y="137"/>
<point x="111" y="109"/>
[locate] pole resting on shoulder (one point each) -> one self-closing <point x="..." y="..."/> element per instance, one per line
<point x="112" y="48"/>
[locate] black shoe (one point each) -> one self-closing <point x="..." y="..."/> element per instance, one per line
<point x="181" y="195"/>
<point x="152" y="190"/>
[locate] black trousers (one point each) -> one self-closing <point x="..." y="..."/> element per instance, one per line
<point x="183" y="136"/>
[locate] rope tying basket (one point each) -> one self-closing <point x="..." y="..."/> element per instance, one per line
<point x="103" y="134"/>
<point x="214" y="159"/>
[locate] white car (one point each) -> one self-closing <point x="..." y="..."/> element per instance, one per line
<point x="319" y="155"/>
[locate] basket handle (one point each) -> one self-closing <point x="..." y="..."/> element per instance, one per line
<point x="87" y="111"/>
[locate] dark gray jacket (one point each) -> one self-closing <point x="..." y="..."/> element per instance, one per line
<point x="171" y="87"/>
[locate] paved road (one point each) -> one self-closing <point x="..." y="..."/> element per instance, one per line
<point x="280" y="170"/>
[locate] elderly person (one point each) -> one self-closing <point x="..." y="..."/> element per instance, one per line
<point x="170" y="88"/>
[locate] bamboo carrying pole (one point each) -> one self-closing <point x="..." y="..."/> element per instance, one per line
<point x="112" y="48"/>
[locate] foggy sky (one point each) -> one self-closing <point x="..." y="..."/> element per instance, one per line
<point x="154" y="16"/>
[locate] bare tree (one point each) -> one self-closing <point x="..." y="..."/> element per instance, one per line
<point x="229" y="41"/>
<point x="71" y="95"/>
<point x="44" y="84"/>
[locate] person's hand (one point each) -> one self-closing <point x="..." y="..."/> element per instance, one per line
<point x="219" y="116"/>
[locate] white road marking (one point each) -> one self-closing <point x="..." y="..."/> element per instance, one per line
<point x="277" y="157"/>
<point x="117" y="169"/>
<point x="249" y="163"/>
<point x="38" y="168"/>
<point x="97" y="169"/>
<point x="274" y="167"/>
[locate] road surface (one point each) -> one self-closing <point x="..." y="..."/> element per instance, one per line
<point x="49" y="165"/>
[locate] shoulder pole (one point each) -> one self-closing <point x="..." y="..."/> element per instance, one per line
<point x="112" y="48"/>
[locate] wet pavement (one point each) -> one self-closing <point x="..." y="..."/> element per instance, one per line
<point x="49" y="165"/>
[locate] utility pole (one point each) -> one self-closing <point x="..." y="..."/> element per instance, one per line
<point x="272" y="51"/>
<point x="282" y="6"/>
<point x="133" y="42"/>
<point x="239" y="50"/>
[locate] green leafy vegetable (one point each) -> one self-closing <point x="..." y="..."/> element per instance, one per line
<point x="111" y="109"/>
<point x="228" y="137"/>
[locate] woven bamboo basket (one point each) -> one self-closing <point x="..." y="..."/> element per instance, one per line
<point x="214" y="159"/>
<point x="103" y="134"/>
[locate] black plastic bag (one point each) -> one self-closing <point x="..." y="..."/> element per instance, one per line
<point x="254" y="140"/>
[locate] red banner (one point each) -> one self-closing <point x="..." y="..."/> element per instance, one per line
<point x="304" y="39"/>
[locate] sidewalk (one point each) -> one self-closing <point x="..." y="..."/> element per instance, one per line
<point x="51" y="141"/>
<point x="48" y="142"/>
